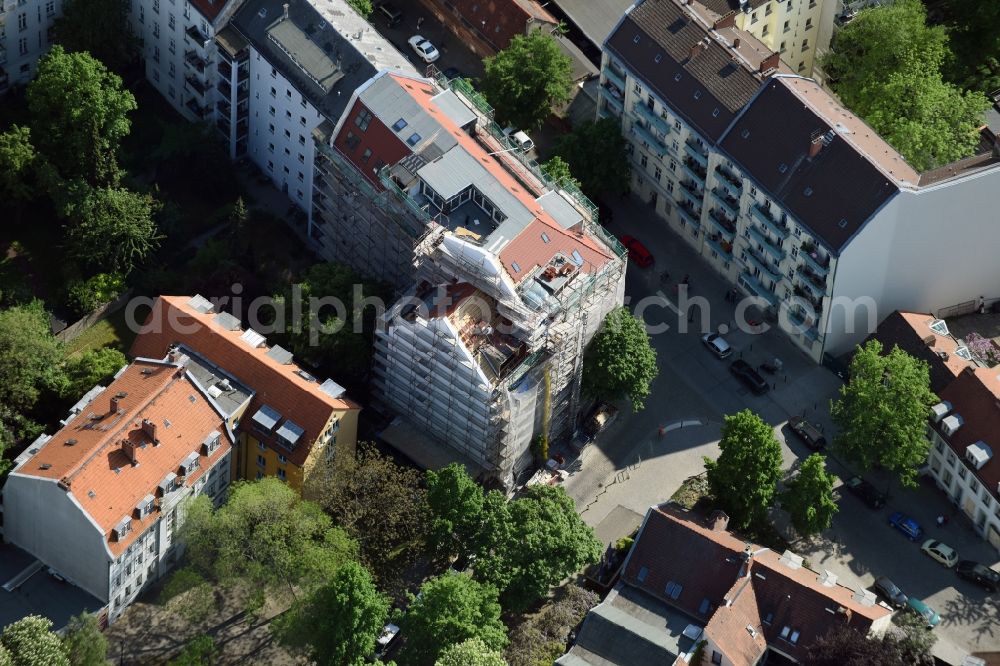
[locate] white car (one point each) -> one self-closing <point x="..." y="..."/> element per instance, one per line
<point x="424" y="48"/>
<point x="520" y="138"/>
<point x="942" y="553"/>
<point x="717" y="344"/>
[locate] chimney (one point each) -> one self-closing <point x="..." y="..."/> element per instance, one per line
<point x="727" y="21"/>
<point x="747" y="556"/>
<point x="149" y="428"/>
<point x="284" y="11"/>
<point x="815" y="146"/>
<point x="695" y="50"/>
<point x="736" y="43"/>
<point x="115" y="399"/>
<point x="718" y="521"/>
<point x="769" y="63"/>
<point x="128" y="447"/>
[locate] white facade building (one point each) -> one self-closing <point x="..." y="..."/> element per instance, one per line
<point x="25" y="36"/>
<point x="97" y="502"/>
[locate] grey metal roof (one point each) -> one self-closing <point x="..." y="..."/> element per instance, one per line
<point x="41" y="594"/>
<point x="396" y="108"/>
<point x="459" y="113"/>
<point x="267" y="417"/>
<point x="561" y="210"/>
<point x="595" y="18"/>
<point x="227" y="392"/>
<point x="290" y="432"/>
<point x="325" y="50"/>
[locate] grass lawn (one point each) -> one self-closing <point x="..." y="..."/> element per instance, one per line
<point x="111" y="331"/>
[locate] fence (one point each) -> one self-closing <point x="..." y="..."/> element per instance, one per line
<point x="75" y="329"/>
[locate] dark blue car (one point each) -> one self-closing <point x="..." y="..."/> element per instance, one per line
<point x="907" y="526"/>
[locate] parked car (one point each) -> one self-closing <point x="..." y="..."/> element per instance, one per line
<point x="890" y="591"/>
<point x="717" y="345"/>
<point x="389" y="14"/>
<point x="520" y="138"/>
<point x="908" y="526"/>
<point x="923" y="610"/>
<point x="637" y="252"/>
<point x="744" y="372"/>
<point x="453" y="73"/>
<point x="807" y="432"/>
<point x="387" y="641"/>
<point x="868" y="494"/>
<point x="423" y="48"/>
<point x="980" y="574"/>
<point x="940" y="552"/>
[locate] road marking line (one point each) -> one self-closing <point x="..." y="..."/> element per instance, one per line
<point x="669" y="303"/>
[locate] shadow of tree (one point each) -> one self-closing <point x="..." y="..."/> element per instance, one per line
<point x="973" y="608"/>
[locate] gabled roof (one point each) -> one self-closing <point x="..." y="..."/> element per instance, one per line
<point x="88" y="456"/>
<point x="912" y="332"/>
<point x="501" y="20"/>
<point x="175" y="320"/>
<point x="975" y="396"/>
<point x="656" y="39"/>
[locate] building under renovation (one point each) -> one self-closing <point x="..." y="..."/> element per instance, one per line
<point x="512" y="274"/>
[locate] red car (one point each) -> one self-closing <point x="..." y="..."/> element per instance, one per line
<point x="637" y="252"/>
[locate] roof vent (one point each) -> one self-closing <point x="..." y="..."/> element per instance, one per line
<point x="71" y="442"/>
<point x="227" y="321"/>
<point x="45" y="466"/>
<point x="791" y="560"/>
<point x="332" y="388"/>
<point x="864" y="597"/>
<point x="280" y="354"/>
<point x="951" y="424"/>
<point x="252" y="338"/>
<point x="827" y="578"/>
<point x="939" y="410"/>
<point x="978" y="454"/>
<point x="199" y="303"/>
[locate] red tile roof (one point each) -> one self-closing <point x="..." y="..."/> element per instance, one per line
<point x="911" y="332"/>
<point x="208" y="8"/>
<point x="677" y="546"/>
<point x="173" y="320"/>
<point x="975" y="396"/>
<point x="88" y="458"/>
<point x="501" y="20"/>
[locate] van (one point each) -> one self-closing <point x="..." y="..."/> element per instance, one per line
<point x="520" y="139"/>
<point x="807" y="432"/>
<point x="390" y="14"/>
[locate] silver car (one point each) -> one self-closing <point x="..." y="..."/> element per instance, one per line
<point x="717" y="345"/>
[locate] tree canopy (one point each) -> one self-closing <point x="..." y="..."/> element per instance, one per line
<point x="89" y="369"/>
<point x="472" y="652"/>
<point x="31" y="642"/>
<point x="526" y="79"/>
<point x="744" y="476"/>
<point x="379" y="503"/>
<point x="99" y="27"/>
<point x="886" y="66"/>
<point x="809" y="498"/>
<point x="882" y="411"/>
<point x="17" y="156"/>
<point x="540" y="638"/>
<point x="595" y="152"/>
<point x="113" y="230"/>
<point x="532" y="543"/>
<point x="450" y="609"/>
<point x="79" y="115"/>
<point x="558" y="170"/>
<point x="846" y="646"/>
<point x="620" y="362"/>
<point x="30" y="357"/>
<point x="974" y="30"/>
<point x="455" y="502"/>
<point x="363" y="7"/>
<point x="85" y="642"/>
<point x="341" y="621"/>
<point x="265" y="538"/>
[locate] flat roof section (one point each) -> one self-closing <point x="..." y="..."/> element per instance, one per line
<point x="40" y="593"/>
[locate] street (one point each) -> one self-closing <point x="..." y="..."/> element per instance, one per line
<point x="634" y="466"/>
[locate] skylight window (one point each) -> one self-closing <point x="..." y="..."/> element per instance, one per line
<point x="515" y="266"/>
<point x="577" y="258"/>
<point x="414" y="139"/>
<point x="658" y="58"/>
<point x="697" y="94"/>
<point x="808" y="191"/>
<point x="678" y="76"/>
<point x="545" y="237"/>
<point x="400" y="124"/>
<point x="643" y="572"/>
<point x="745" y="134"/>
<point x="715" y="112"/>
<point x="939" y="326"/>
<point x="783" y="167"/>
<point x="843" y="223"/>
<point x="635" y="40"/>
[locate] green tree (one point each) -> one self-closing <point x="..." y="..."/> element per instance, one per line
<point x="31" y="359"/>
<point x="79" y="115"/>
<point x="17" y="156"/>
<point x="845" y="646"/>
<point x="89" y="369"/>
<point x="341" y="621"/>
<point x="595" y="152"/>
<point x="882" y="411"/>
<point x="85" y="642"/>
<point x="540" y="638"/>
<point x="886" y="66"/>
<point x="450" y="609"/>
<point x="99" y="27"/>
<point x="264" y="539"/>
<point x="620" y="362"/>
<point x="455" y="502"/>
<point x="31" y="642"/>
<point x="532" y="543"/>
<point x="85" y="296"/>
<point x="199" y="651"/>
<point x="974" y="35"/>
<point x="363" y="7"/>
<point x="379" y="503"/>
<point x="913" y="637"/>
<point x="113" y="230"/>
<point x="744" y="477"/>
<point x="558" y="170"/>
<point x="809" y="499"/>
<point x="526" y="79"/>
<point x="472" y="652"/>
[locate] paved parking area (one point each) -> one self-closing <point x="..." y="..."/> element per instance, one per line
<point x="453" y="52"/>
<point x="632" y="465"/>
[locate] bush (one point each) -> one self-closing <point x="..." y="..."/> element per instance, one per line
<point x="85" y="296"/>
<point x="624" y="544"/>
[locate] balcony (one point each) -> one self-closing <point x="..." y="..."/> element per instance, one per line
<point x="799" y="319"/>
<point x="195" y="108"/>
<point x="223" y="124"/>
<point x="194" y="85"/>
<point x="756" y="287"/>
<point x="224" y="107"/>
<point x="718" y="219"/>
<point x="224" y="88"/>
<point x="775" y="226"/>
<point x="649" y="139"/>
<point x="692" y="193"/>
<point x="729" y="179"/>
<point x="196" y="62"/>
<point x="755" y="258"/>
<point x="696" y="153"/>
<point x="695" y="170"/>
<point x="650" y="117"/>
<point x="723" y="247"/>
<point x="809" y="295"/>
<point x="612" y="103"/>
<point x="729" y="203"/>
<point x="820" y="264"/>
<point x="689" y="214"/>
<point x="3" y="56"/>
<point x="225" y="69"/>
<point x="615" y="78"/>
<point x="196" y="36"/>
<point x="772" y="248"/>
<point x="814" y="283"/>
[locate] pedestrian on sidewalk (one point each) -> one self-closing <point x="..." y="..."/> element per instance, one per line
<point x="420" y="22"/>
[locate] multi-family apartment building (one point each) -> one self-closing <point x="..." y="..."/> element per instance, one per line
<point x="690" y="586"/>
<point x="25" y="36"/>
<point x="782" y="190"/>
<point x="98" y="501"/>
<point x="290" y="420"/>
<point x="512" y="275"/>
